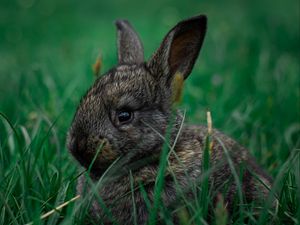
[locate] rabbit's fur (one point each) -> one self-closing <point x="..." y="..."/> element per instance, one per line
<point x="131" y="149"/>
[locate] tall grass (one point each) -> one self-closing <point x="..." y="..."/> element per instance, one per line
<point x="33" y="194"/>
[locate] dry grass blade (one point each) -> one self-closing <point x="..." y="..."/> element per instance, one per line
<point x="57" y="208"/>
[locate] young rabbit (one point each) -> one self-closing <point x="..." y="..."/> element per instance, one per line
<point x="120" y="124"/>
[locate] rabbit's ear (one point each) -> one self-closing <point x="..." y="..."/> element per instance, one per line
<point x="130" y="48"/>
<point x="179" y="49"/>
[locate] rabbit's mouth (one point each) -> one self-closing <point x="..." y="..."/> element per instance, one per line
<point x="100" y="158"/>
<point x="95" y="154"/>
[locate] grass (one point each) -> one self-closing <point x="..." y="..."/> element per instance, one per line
<point x="247" y="75"/>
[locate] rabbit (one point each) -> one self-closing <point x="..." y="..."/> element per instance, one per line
<point x="126" y="114"/>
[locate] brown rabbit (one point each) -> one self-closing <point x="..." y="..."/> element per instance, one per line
<point x="120" y="124"/>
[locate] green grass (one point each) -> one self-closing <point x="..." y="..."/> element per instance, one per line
<point x="247" y="74"/>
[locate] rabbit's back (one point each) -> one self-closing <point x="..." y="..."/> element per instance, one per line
<point x="228" y="157"/>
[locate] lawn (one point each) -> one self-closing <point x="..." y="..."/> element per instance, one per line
<point x="247" y="75"/>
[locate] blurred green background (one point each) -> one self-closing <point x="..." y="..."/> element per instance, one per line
<point x="247" y="74"/>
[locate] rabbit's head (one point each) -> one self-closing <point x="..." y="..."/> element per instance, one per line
<point x="128" y="107"/>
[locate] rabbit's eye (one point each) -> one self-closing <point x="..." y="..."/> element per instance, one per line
<point x="124" y="116"/>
